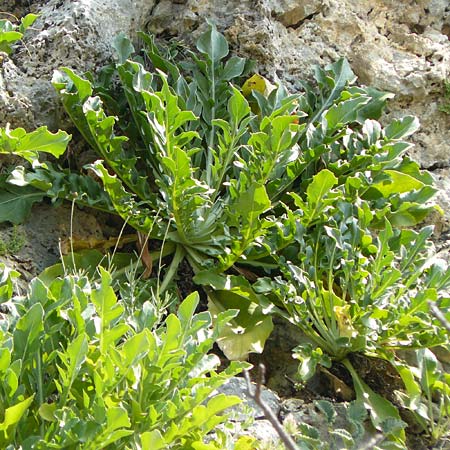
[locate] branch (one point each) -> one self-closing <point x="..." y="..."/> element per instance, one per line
<point x="436" y="312"/>
<point x="268" y="413"/>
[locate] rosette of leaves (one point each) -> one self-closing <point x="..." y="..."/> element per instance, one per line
<point x="184" y="159"/>
<point x="351" y="290"/>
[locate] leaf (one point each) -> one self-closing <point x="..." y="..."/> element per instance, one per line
<point x="28" y="330"/>
<point x="255" y="83"/>
<point x="380" y="409"/>
<point x="73" y="358"/>
<point x="320" y="186"/>
<point x="213" y="44"/>
<point x="123" y="47"/>
<point x="27" y="21"/>
<point x="116" y="418"/>
<point x="47" y="412"/>
<point x="249" y="330"/>
<point x="153" y="440"/>
<point x="12" y="416"/>
<point x="233" y="68"/>
<point x="251" y="203"/>
<point x="28" y="145"/>
<point x="344" y="112"/>
<point x="7" y="38"/>
<point x="397" y="183"/>
<point x="16" y="201"/>
<point x="238" y="107"/>
<point x="401" y="128"/>
<point x="333" y="81"/>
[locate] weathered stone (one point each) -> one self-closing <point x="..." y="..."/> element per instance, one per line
<point x="292" y="12"/>
<point x="238" y="386"/>
<point x="76" y="34"/>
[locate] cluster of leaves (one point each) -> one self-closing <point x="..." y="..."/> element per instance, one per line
<point x="10" y="33"/>
<point x="80" y="367"/>
<point x="306" y="197"/>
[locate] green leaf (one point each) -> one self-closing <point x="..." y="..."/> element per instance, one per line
<point x="333" y="80"/>
<point x="28" y="145"/>
<point x="249" y="330"/>
<point x="28" y="330"/>
<point x="344" y="112"/>
<point x="397" y="183"/>
<point x="320" y="186"/>
<point x="16" y="201"/>
<point x="327" y="409"/>
<point x="316" y="196"/>
<point x="12" y="416"/>
<point x="7" y="38"/>
<point x="401" y="128"/>
<point x="73" y="359"/>
<point x="233" y="68"/>
<point x="47" y="412"/>
<point x="153" y="440"/>
<point x="123" y="47"/>
<point x="238" y="107"/>
<point x="27" y="21"/>
<point x="380" y="409"/>
<point x="213" y="44"/>
<point x="117" y="417"/>
<point x="251" y="203"/>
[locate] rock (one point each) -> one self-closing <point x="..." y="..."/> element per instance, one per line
<point x="238" y="386"/>
<point x="76" y="34"/>
<point x="292" y="12"/>
<point x="42" y="235"/>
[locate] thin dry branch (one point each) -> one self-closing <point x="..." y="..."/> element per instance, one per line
<point x="436" y="312"/>
<point x="268" y="413"/>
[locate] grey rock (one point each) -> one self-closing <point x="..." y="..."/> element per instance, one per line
<point x="238" y="386"/>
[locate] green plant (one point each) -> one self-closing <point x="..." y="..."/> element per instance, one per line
<point x="10" y="33"/>
<point x="427" y="394"/>
<point x="350" y="291"/>
<point x="301" y="209"/>
<point x="445" y="106"/>
<point x="78" y="371"/>
<point x="12" y="243"/>
<point x="184" y="159"/>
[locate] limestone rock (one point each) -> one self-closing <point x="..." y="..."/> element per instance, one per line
<point x="292" y="12"/>
<point x="77" y="34"/>
<point x="238" y="386"/>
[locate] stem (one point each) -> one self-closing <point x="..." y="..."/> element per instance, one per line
<point x="40" y="388"/>
<point x="268" y="413"/>
<point x="209" y="155"/>
<point x="173" y="268"/>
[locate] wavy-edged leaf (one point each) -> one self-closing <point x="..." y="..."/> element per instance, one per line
<point x="401" y="128"/>
<point x="28" y="145"/>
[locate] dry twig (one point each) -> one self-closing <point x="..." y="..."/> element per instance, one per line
<point x="436" y="312"/>
<point x="270" y="416"/>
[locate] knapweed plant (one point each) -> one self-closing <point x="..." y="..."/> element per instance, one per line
<point x="295" y="204"/>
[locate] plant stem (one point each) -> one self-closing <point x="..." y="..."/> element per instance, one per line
<point x="268" y="413"/>
<point x="173" y="268"/>
<point x="40" y="389"/>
